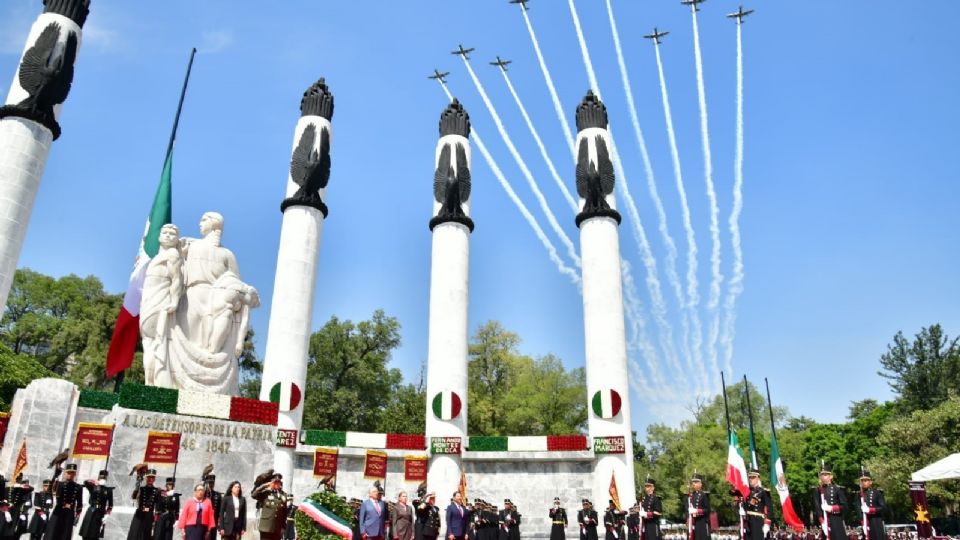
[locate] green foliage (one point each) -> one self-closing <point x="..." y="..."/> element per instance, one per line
<point x="16" y="371"/>
<point x="148" y="398"/>
<point x="307" y="529"/>
<point x="98" y="400"/>
<point x="513" y="394"/>
<point x="924" y="372"/>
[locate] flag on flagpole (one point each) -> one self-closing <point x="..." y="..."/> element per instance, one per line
<point x="779" y="479"/>
<point x="736" y="468"/>
<point x="21" y="461"/>
<point x="614" y="493"/>
<point x="463" y="487"/>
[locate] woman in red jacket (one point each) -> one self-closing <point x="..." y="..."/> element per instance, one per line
<point x="196" y="518"/>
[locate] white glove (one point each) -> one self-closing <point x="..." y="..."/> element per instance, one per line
<point x="826" y="507"/>
<point x="742" y="511"/>
<point x="766" y="529"/>
<point x="864" y="508"/>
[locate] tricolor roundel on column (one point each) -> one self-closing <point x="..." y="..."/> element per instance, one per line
<point x="606" y="403"/>
<point x="446" y="405"/>
<point x="286" y="395"/>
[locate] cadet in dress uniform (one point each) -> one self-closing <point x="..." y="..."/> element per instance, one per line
<point x="759" y="506"/>
<point x="290" y="533"/>
<point x="42" y="504"/>
<point x="8" y="521"/>
<point x="587" y="518"/>
<point x="651" y="508"/>
<point x="509" y="521"/>
<point x="168" y="510"/>
<point x="216" y="499"/>
<point x="21" y="500"/>
<point x="473" y="527"/>
<point x="99" y="505"/>
<point x="633" y="522"/>
<point x="146" y="497"/>
<point x="428" y="515"/>
<point x="558" y="519"/>
<point x="272" y="503"/>
<point x="68" y="502"/>
<point x="491" y="526"/>
<point x="872" y="505"/>
<point x="830" y="502"/>
<point x="613" y="522"/>
<point x="698" y="508"/>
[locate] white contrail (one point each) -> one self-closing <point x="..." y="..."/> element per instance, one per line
<point x="713" y="301"/>
<point x="693" y="285"/>
<point x="670" y="260"/>
<point x="639" y="341"/>
<point x="551" y="218"/>
<point x="532" y="221"/>
<point x="736" y="280"/>
<point x="658" y="308"/>
<point x="543" y="150"/>
<point x="558" y="107"/>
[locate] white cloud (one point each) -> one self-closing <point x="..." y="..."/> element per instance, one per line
<point x="215" y="41"/>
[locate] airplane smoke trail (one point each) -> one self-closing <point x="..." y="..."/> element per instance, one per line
<point x="659" y="307"/>
<point x="543" y="149"/>
<point x="638" y="334"/>
<point x="558" y="107"/>
<point x="736" y="280"/>
<point x="670" y="260"/>
<point x="532" y="221"/>
<point x="693" y="285"/>
<point x="713" y="301"/>
<point x="551" y="218"/>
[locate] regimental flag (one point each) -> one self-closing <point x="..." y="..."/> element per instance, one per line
<point x="606" y="403"/>
<point x="21" y="461"/>
<point x="462" y="488"/>
<point x="736" y="468"/>
<point x="614" y="493"/>
<point x="127" y="330"/>
<point x="446" y="405"/>
<point x="921" y="512"/>
<point x="779" y="479"/>
<point x="326" y="519"/>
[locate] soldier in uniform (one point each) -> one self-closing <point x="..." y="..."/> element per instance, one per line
<point x="146" y="497"/>
<point x="872" y="505"/>
<point x="698" y="508"/>
<point x="20" y="503"/>
<point x="68" y="497"/>
<point x="509" y="521"/>
<point x="830" y="503"/>
<point x="8" y="521"/>
<point x="42" y="504"/>
<point x="168" y="510"/>
<point x="99" y="505"/>
<point x="587" y="518"/>
<point x="558" y="518"/>
<point x="633" y="522"/>
<point x="759" y="508"/>
<point x="491" y="527"/>
<point x="272" y="503"/>
<point x="651" y="508"/>
<point x="613" y="522"/>
<point x="429" y="517"/>
<point x="216" y="499"/>
<point x="290" y="533"/>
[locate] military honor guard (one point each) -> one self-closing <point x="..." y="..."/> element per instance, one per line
<point x="509" y="521"/>
<point x="558" y="520"/>
<point x="829" y="505"/>
<point x="587" y="518"/>
<point x="428" y="515"/>
<point x="475" y="530"/>
<point x="99" y="505"/>
<point x="633" y="522"/>
<point x="21" y="500"/>
<point x="42" y="504"/>
<point x="146" y="496"/>
<point x="290" y="533"/>
<point x="68" y="502"/>
<point x="272" y="503"/>
<point x="8" y="521"/>
<point x="216" y="498"/>
<point x="872" y="506"/>
<point x="698" y="509"/>
<point x="168" y="510"/>
<point x="758" y="507"/>
<point x="613" y="522"/>
<point x="651" y="508"/>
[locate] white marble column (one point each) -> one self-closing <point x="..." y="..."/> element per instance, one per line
<point x="604" y="333"/>
<point x="291" y="309"/>
<point x="25" y="141"/>
<point x="449" y="298"/>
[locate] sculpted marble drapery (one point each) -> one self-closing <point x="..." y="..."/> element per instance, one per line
<point x="195" y="312"/>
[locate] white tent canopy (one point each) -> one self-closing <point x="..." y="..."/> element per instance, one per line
<point x="945" y="469"/>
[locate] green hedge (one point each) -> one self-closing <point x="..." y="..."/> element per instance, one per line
<point x="487" y="444"/>
<point x="148" y="398"/>
<point x="98" y="400"/>
<point x="317" y="437"/>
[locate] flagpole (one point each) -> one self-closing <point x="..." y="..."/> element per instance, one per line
<point x="773" y="428"/>
<point x="726" y="409"/>
<point x="753" y="439"/>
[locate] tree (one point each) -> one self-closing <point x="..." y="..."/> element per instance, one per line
<point x="405" y="412"/>
<point x="16" y="371"/>
<point x="349" y="383"/>
<point x="493" y="366"/>
<point x="251" y="368"/>
<point x="925" y="372"/>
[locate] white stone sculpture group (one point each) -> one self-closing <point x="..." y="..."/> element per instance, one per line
<point x="194" y="312"/>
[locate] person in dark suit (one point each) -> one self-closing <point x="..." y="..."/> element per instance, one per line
<point x="458" y="517"/>
<point x="146" y="496"/>
<point x="872" y="505"/>
<point x="68" y="505"/>
<point x="402" y="518"/>
<point x="373" y="517"/>
<point x="168" y="510"/>
<point x="830" y="503"/>
<point x="233" y="513"/>
<point x="509" y="522"/>
<point x="216" y="499"/>
<point x="21" y="495"/>
<point x="42" y="504"/>
<point x="587" y="518"/>
<point x="558" y="518"/>
<point x="698" y="508"/>
<point x="428" y="516"/>
<point x="651" y="508"/>
<point x="99" y="506"/>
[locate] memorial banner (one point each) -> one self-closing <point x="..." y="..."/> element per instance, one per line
<point x="445" y="445"/>
<point x="609" y="445"/>
<point x="162" y="447"/>
<point x="415" y="469"/>
<point x="375" y="465"/>
<point x="4" y="422"/>
<point x="92" y="441"/>
<point x="325" y="462"/>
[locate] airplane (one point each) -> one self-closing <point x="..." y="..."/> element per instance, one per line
<point x="438" y="76"/>
<point x="740" y="14"/>
<point x="656" y="35"/>
<point x="502" y="64"/>
<point x="692" y="3"/>
<point x="463" y="52"/>
<point x="523" y="3"/>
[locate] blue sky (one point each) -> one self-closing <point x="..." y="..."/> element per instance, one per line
<point x="849" y="213"/>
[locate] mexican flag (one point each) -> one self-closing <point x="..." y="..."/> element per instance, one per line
<point x="326" y="519"/>
<point x="127" y="330"/>
<point x="736" y="468"/>
<point x="779" y="479"/>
